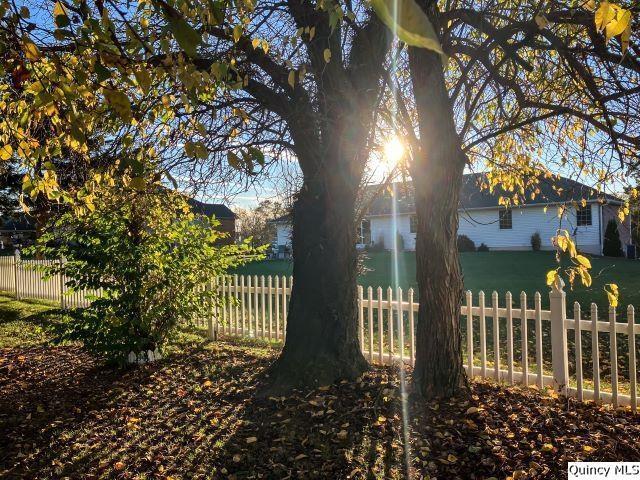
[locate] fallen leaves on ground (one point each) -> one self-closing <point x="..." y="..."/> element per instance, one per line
<point x="197" y="415"/>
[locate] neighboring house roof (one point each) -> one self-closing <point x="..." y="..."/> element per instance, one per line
<point x="472" y="196"/>
<point x="17" y="223"/>
<point x="286" y="218"/>
<point x="217" y="210"/>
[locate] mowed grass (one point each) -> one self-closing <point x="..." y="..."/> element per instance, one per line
<point x="489" y="271"/>
<point x="23" y="323"/>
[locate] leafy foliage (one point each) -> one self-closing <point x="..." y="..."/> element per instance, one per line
<point x="612" y="246"/>
<point x="254" y="223"/>
<point x="483" y="247"/>
<point x="465" y="244"/>
<point x="149" y="257"/>
<point x="536" y="242"/>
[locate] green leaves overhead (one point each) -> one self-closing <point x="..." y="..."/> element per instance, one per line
<point x="407" y="20"/>
<point x="247" y="159"/>
<point x="60" y="15"/>
<point x="186" y="36"/>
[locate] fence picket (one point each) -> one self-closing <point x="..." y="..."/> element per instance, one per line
<point x="539" y="352"/>
<point x="400" y="326"/>
<point x="270" y="302"/>
<point x="578" y="346"/>
<point x="277" y="299"/>
<point x="361" y="318"/>
<point x="509" y="301"/>
<point x="263" y="308"/>
<point x="380" y="326"/>
<point x="496" y="336"/>
<point x="524" y="338"/>
<point x="284" y="307"/>
<point x="242" y="304"/>
<point x="632" y="358"/>
<point x="390" y="322"/>
<point x="236" y="307"/>
<point x="613" y="350"/>
<point x="370" y="319"/>
<point x="595" y="352"/>
<point x="469" y="334"/>
<point x="483" y="335"/>
<point x="412" y="336"/>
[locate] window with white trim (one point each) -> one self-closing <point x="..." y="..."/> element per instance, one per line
<point x="583" y="216"/>
<point x="505" y="219"/>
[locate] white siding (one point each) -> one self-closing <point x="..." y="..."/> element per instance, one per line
<point x="283" y="233"/>
<point x="482" y="226"/>
<point x="382" y="227"/>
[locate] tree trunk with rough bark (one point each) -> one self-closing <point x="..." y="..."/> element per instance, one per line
<point x="331" y="143"/>
<point x="322" y="340"/>
<point x="437" y="176"/>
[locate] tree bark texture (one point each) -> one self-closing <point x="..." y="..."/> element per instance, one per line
<point x="322" y="339"/>
<point x="437" y="176"/>
<point x="331" y="143"/>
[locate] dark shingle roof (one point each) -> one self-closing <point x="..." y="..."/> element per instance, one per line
<point x="217" y="210"/>
<point x="561" y="190"/>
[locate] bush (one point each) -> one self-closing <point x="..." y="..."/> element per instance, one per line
<point x="151" y="257"/>
<point x="536" y="242"/>
<point x="399" y="242"/>
<point x="377" y="246"/>
<point x="465" y="244"/>
<point x="612" y="246"/>
<point x="483" y="248"/>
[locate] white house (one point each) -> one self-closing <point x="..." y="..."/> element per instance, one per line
<point x="483" y="220"/>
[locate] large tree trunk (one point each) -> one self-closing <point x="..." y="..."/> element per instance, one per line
<point x="322" y="340"/>
<point x="437" y="175"/>
<point x="331" y="143"/>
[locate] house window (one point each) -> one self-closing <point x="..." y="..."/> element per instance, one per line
<point x="364" y="232"/>
<point x="413" y="224"/>
<point x="504" y="217"/>
<point x="584" y="216"/>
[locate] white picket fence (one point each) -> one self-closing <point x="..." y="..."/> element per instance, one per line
<point x="580" y="355"/>
<point x="387" y="320"/>
<point x="24" y="279"/>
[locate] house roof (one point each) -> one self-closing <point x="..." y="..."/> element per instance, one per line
<point x="472" y="196"/>
<point x="217" y="210"/>
<point x="286" y="218"/>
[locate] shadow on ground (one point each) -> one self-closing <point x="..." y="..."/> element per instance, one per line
<point x="196" y="415"/>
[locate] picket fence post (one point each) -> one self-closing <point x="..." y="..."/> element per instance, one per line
<point x="16" y="260"/>
<point x="61" y="275"/>
<point x="559" y="357"/>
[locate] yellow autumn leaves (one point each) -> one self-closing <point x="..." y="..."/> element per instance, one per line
<point x="613" y="20"/>
<point x="406" y="19"/>
<point x="580" y="266"/>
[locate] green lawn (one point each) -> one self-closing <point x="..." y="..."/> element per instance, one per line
<point x="23" y="322"/>
<point x="500" y="271"/>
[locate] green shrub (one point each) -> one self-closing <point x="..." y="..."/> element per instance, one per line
<point x="483" y="248"/>
<point x="536" y="242"/>
<point x="149" y="254"/>
<point x="377" y="246"/>
<point x="612" y="246"/>
<point x="465" y="244"/>
<point x="399" y="242"/>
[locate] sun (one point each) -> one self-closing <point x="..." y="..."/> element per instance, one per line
<point x="393" y="151"/>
